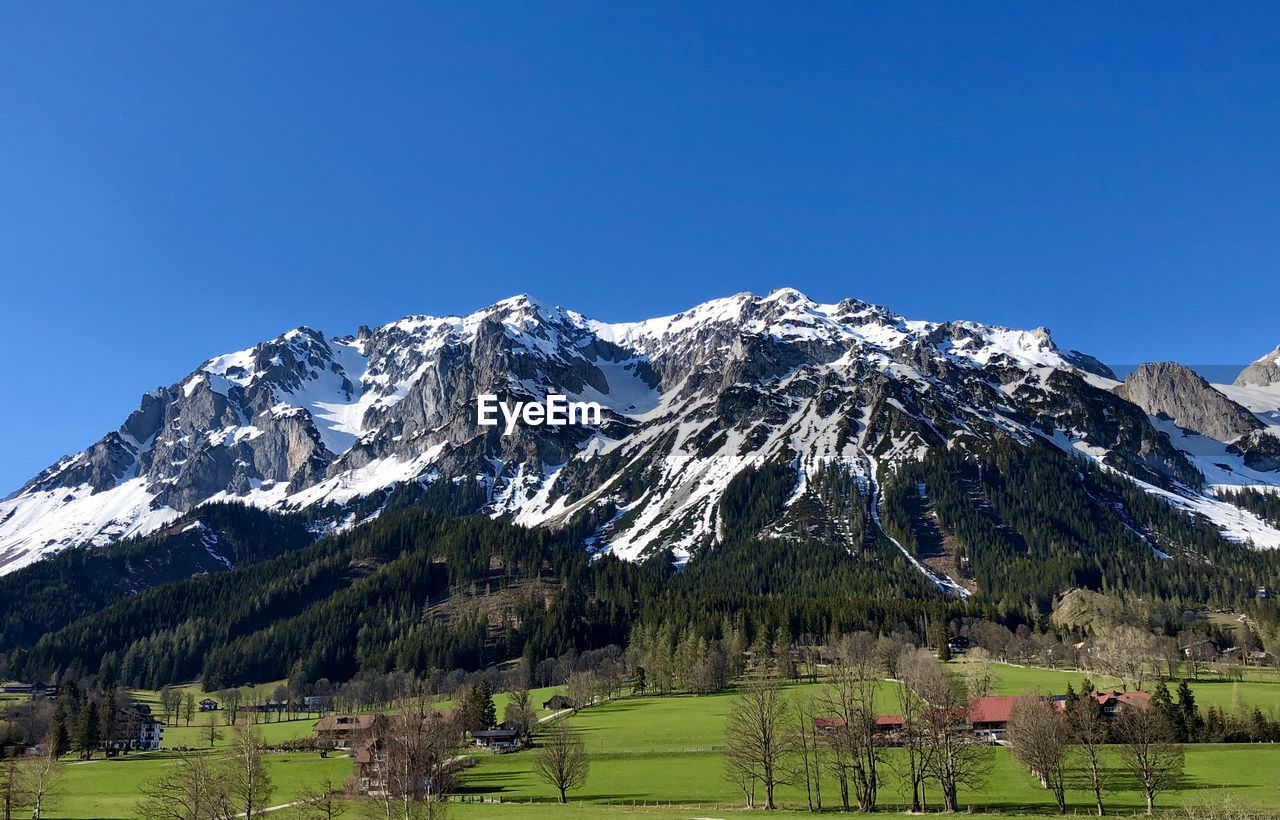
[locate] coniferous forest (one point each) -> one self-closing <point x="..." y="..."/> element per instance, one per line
<point x="425" y="586"/>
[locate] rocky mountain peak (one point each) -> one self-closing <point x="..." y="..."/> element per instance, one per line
<point x="691" y="400"/>
<point x="1262" y="373"/>
<point x="1176" y="392"/>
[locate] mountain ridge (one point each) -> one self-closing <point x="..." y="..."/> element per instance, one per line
<point x="307" y="421"/>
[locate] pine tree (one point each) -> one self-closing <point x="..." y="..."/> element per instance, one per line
<point x="87" y="730"/>
<point x="107" y="715"/>
<point x="785" y="662"/>
<point x="58" y="741"/>
<point x="1190" y="723"/>
<point x="478" y="710"/>
<point x="638" y="681"/>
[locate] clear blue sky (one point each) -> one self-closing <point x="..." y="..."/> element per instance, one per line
<point x="179" y="180"/>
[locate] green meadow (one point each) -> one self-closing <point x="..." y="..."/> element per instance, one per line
<point x="104" y="789"/>
<point x="660" y="757"/>
<point x="647" y="750"/>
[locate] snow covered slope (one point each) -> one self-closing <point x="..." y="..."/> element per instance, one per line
<point x="306" y="421"/>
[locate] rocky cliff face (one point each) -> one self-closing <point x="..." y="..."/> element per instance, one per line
<point x="1263" y="372"/>
<point x="331" y="424"/>
<point x="1168" y="389"/>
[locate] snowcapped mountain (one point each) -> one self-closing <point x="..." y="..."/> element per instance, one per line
<point x="332" y="424"/>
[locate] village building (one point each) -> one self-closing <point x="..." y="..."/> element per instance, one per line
<point x="558" y="703"/>
<point x="498" y="740"/>
<point x="988" y="716"/>
<point x="17" y="688"/>
<point x="370" y="781"/>
<point x="135" y="729"/>
<point x="1115" y="703"/>
<point x="208" y="705"/>
<point x="339" y="731"/>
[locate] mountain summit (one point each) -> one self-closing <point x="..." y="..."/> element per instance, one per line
<point x="816" y="395"/>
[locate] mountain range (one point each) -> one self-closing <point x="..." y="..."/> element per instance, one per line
<point x="832" y="403"/>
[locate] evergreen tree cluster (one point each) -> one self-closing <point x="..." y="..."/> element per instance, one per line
<point x="1032" y="522"/>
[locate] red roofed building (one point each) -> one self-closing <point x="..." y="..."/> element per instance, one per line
<point x="1113" y="703"/>
<point x="883" y="723"/>
<point x="990" y="715"/>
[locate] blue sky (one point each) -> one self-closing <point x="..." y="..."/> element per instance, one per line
<point x="179" y="180"/>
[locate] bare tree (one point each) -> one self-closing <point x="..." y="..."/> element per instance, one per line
<point x="211" y="732"/>
<point x="1089" y="733"/>
<point x="978" y="676"/>
<point x="189" y="790"/>
<point x="955" y="757"/>
<point x="14" y="796"/>
<point x="1128" y="653"/>
<point x="918" y="672"/>
<point x="518" y="714"/>
<point x="582" y="688"/>
<point x="41" y="775"/>
<point x="418" y="752"/>
<point x="166" y="703"/>
<point x="231" y="700"/>
<point x="248" y="782"/>
<point x="743" y="772"/>
<point x="849" y="699"/>
<point x="1038" y="738"/>
<point x="1149" y="749"/>
<point x="562" y="760"/>
<point x="810" y="657"/>
<point x="808" y="745"/>
<point x="188" y="707"/>
<point x="756" y="738"/>
<point x="322" y="802"/>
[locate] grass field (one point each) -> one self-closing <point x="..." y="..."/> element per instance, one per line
<point x="1260" y="688"/>
<point x="107" y="789"/>
<point x="667" y="751"/>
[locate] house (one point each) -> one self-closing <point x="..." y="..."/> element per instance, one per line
<point x="558" y="703"/>
<point x="15" y="688"/>
<point x="498" y="740"/>
<point x="316" y="703"/>
<point x="208" y="705"/>
<point x="338" y="731"/>
<point x="369" y="759"/>
<point x="884" y="724"/>
<point x="270" y="707"/>
<point x="370" y="778"/>
<point x="823" y="724"/>
<point x="988" y="716"/>
<point x="889" y="723"/>
<point x="1114" y="703"/>
<point x="134" y="730"/>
